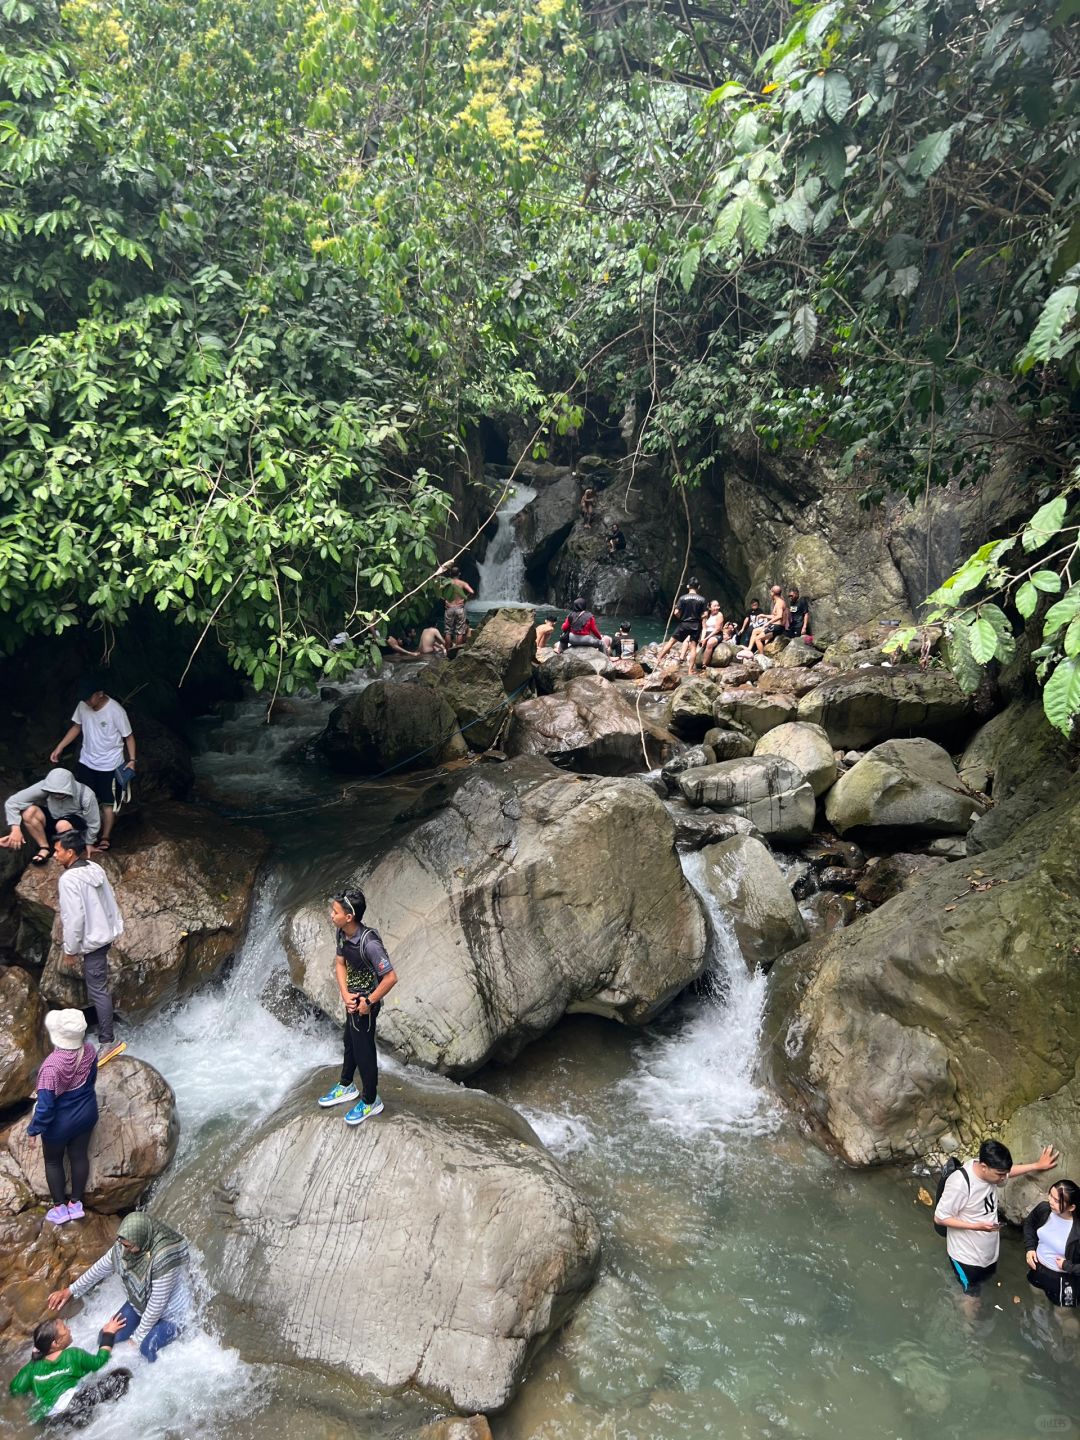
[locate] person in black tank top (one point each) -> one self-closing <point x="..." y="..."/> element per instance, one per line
<point x="365" y="975"/>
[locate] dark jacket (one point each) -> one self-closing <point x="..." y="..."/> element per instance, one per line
<point x="59" y="1118"/>
<point x="1034" y="1223"/>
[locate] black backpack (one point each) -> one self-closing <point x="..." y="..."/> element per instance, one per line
<point x="949" y="1168"/>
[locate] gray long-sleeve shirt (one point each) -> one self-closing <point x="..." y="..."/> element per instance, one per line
<point x="60" y="794"/>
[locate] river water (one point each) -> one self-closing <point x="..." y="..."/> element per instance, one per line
<point x="751" y="1286"/>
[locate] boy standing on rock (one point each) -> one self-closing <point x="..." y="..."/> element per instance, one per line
<point x="365" y="975"/>
<point x="91" y="922"/>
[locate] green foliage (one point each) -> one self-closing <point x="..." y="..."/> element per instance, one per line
<point x="981" y="631"/>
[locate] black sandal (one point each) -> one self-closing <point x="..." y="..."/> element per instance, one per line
<point x="42" y="856"/>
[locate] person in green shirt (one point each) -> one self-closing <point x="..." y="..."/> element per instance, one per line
<point x="55" y="1369"/>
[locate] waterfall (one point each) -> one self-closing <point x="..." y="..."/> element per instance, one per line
<point x="502" y="573"/>
<point x="700" y="1082"/>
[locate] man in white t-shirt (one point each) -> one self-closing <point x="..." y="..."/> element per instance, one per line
<point x="968" y="1210"/>
<point x="107" y="743"/>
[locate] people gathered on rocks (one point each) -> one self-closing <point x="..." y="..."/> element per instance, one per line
<point x="776" y="625"/>
<point x="623" y="644"/>
<point x="32" y="813"/>
<point x="365" y="975"/>
<point x="90" y="922"/>
<point x="107" y="757"/>
<point x="689" y="610"/>
<point x="151" y="1259"/>
<point x="66" y="1112"/>
<point x="799" y="623"/>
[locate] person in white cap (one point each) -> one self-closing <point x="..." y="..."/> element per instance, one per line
<point x="66" y="1112"/>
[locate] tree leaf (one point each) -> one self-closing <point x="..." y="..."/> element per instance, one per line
<point x="1059" y="614"/>
<point x="999" y="622"/>
<point x="983" y="641"/>
<point x="755" y="224"/>
<point x="804" y="326"/>
<point x="1072" y="638"/>
<point x="813" y="97"/>
<point x="929" y="154"/>
<point x="1045" y="523"/>
<point x="1048" y="581"/>
<point x="837" y="95"/>
<point x="1061" y="694"/>
<point x="1026" y="599"/>
<point x="1059" y="310"/>
<point x="968" y="673"/>
<point x="688" y="265"/>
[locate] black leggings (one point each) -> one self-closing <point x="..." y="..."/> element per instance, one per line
<point x="1059" y="1289"/>
<point x="78" y="1159"/>
<point x="360" y="1053"/>
<point x="79" y="1413"/>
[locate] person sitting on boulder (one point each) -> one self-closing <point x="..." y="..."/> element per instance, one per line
<point x="616" y="540"/>
<point x="36" y="810"/>
<point x="432" y="642"/>
<point x="365" y="975"/>
<point x="777" y="625"/>
<point x="689" y="609"/>
<point x="1052" y="1245"/>
<point x="54" y="1371"/>
<point x="623" y="645"/>
<point x="151" y="1259"/>
<point x="752" y="620"/>
<point x="712" y="631"/>
<point x="544" y="632"/>
<point x="66" y="1112"/>
<point x="799" y="612"/>
<point x="588" y="506"/>
<point x="580" y="630"/>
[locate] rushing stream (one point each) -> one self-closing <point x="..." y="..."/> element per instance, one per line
<point x="751" y="1287"/>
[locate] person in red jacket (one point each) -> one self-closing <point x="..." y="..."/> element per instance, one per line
<point x="580" y="630"/>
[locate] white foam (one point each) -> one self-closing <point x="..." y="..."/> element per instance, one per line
<point x="562" y="1134"/>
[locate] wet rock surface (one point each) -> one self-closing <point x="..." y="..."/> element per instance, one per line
<point x="390" y="724"/>
<point x="472" y="1243"/>
<point x="902" y="785"/>
<point x="184" y="885"/>
<point x="564" y="894"/>
<point x="590" y="725"/>
<point x="767" y="790"/>
<point x="864" y="706"/>
<point x="746" y="880"/>
<point x="22" y="1042"/>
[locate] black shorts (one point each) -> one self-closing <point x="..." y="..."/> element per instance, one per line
<point x="775" y="630"/>
<point x="1059" y="1289"/>
<point x="971" y="1277"/>
<point x="687" y="630"/>
<point x="100" y="781"/>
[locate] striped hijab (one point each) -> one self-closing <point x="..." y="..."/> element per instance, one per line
<point x="160" y="1250"/>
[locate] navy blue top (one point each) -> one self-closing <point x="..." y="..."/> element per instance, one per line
<point x="59" y="1118"/>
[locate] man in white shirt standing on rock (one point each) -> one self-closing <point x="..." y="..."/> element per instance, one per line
<point x="106" y="735"/>
<point x="90" y="920"/>
<point x="968" y="1209"/>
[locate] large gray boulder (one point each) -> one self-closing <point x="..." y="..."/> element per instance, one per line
<point x="590" y="725"/>
<point x="952" y="1005"/>
<point x="560" y="667"/>
<point x="132" y="1144"/>
<point x="692" y="709"/>
<point x="436" y="1247"/>
<point x="530" y="894"/>
<point x="757" y="711"/>
<point x="806" y="746"/>
<point x="878" y="703"/>
<point x="768" y="790"/>
<point x="22" y="1047"/>
<point x="389" y="725"/>
<point x="1022" y="761"/>
<point x="902" y="785"/>
<point x="478" y="682"/>
<point x="743" y="876"/>
<point x="184" y="884"/>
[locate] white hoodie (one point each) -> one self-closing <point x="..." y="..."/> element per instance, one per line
<point x="88" y="911"/>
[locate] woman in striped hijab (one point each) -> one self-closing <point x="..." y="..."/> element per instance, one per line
<point x="152" y="1262"/>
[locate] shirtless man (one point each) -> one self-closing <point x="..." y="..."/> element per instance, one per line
<point x="455" y="621"/>
<point x="431" y="641"/>
<point x="777" y="624"/>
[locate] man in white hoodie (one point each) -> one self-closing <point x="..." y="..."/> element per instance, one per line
<point x="91" y="921"/>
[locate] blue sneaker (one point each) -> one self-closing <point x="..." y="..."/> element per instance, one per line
<point x="338" y="1095"/>
<point x="359" y="1113"/>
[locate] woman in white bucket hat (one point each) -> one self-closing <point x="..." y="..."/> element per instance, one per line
<point x="66" y="1112"/>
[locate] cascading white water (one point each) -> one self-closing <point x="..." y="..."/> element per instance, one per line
<point x="502" y="573"/>
<point x="700" y="1082"/>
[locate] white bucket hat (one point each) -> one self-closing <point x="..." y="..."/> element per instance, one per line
<point x="67" y="1029"/>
